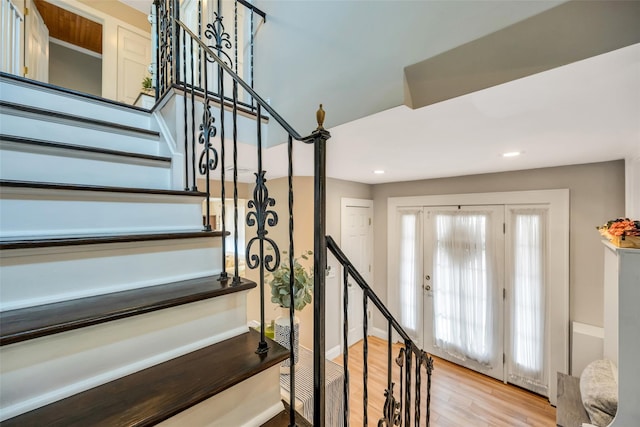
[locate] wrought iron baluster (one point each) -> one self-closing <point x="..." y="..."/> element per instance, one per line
<point x="262" y="217"/>
<point x="206" y="164"/>
<point x="236" y="274"/>
<point x="345" y="342"/>
<point x="400" y="363"/>
<point x="365" y="367"/>
<point x="193" y="127"/>
<point x="235" y="34"/>
<point x="391" y="412"/>
<point x="292" y="371"/>
<point x="251" y="55"/>
<point x="157" y="17"/>
<point x="184" y="105"/>
<point x="407" y="401"/>
<point x="199" y="47"/>
<point x="176" y="41"/>
<point x="429" y="365"/>
<point x="223" y="211"/>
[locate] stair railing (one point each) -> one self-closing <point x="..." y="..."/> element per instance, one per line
<point x="232" y="39"/>
<point x="406" y="408"/>
<point x="178" y="48"/>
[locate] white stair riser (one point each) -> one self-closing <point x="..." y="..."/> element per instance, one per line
<point x="77" y="133"/>
<point x="39" y="276"/>
<point x="19" y="93"/>
<point x="77" y="167"/>
<point x="40" y="371"/>
<point x="78" y="212"/>
<point x="260" y="397"/>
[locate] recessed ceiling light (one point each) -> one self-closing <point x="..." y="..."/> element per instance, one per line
<point x="512" y="154"/>
<point x="378" y="171"/>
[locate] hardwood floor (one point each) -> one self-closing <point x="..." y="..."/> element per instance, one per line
<point x="459" y="396"/>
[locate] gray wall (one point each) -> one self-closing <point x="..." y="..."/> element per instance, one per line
<point x="75" y="70"/>
<point x="596" y="195"/>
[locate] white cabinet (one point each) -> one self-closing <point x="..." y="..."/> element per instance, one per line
<point x="622" y="327"/>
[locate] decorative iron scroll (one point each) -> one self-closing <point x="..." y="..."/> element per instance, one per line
<point x="207" y="132"/>
<point x="391" y="410"/>
<point x="222" y="40"/>
<point x="165" y="45"/>
<point x="263" y="217"/>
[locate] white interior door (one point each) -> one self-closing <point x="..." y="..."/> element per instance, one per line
<point x="37" y="45"/>
<point x="357" y="241"/>
<point x="12" y="27"/>
<point x="134" y="57"/>
<point x="463" y="286"/>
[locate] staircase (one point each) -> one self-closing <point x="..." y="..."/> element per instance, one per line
<point x="112" y="311"/>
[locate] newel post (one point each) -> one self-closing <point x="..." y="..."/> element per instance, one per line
<point x="320" y="137"/>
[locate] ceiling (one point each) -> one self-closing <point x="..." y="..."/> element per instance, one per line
<point x="587" y="111"/>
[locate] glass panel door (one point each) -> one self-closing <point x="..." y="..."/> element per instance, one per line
<point x="464" y="249"/>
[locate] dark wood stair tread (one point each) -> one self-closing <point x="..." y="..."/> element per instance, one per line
<point x="10" y="183"/>
<point x="33" y="322"/>
<point x="282" y="419"/>
<point x="84" y="148"/>
<point x="71" y="117"/>
<point x="157" y="393"/>
<point x="40" y="242"/>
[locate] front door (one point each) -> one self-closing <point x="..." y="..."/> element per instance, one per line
<point x="463" y="286"/>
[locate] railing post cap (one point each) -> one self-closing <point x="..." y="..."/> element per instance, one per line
<point x="320" y="117"/>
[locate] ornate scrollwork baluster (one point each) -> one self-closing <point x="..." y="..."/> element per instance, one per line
<point x="407" y="390"/>
<point x="391" y="410"/>
<point x="221" y="39"/>
<point x="428" y="363"/>
<point x="262" y="217"/>
<point x="400" y="362"/>
<point x="209" y="157"/>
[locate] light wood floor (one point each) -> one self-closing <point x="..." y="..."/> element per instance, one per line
<point x="459" y="396"/>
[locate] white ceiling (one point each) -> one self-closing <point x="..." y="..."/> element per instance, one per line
<point x="584" y="112"/>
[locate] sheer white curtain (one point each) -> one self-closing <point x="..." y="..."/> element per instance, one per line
<point x="527" y="303"/>
<point x="409" y="269"/>
<point x="462" y="292"/>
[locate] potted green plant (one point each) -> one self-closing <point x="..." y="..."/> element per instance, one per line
<point x="147" y="85"/>
<point x="281" y="295"/>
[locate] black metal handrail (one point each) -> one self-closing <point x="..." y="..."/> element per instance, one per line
<point x="393" y="408"/>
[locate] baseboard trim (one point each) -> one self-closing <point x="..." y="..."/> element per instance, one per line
<point x="334" y="352"/>
<point x="377" y="332"/>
